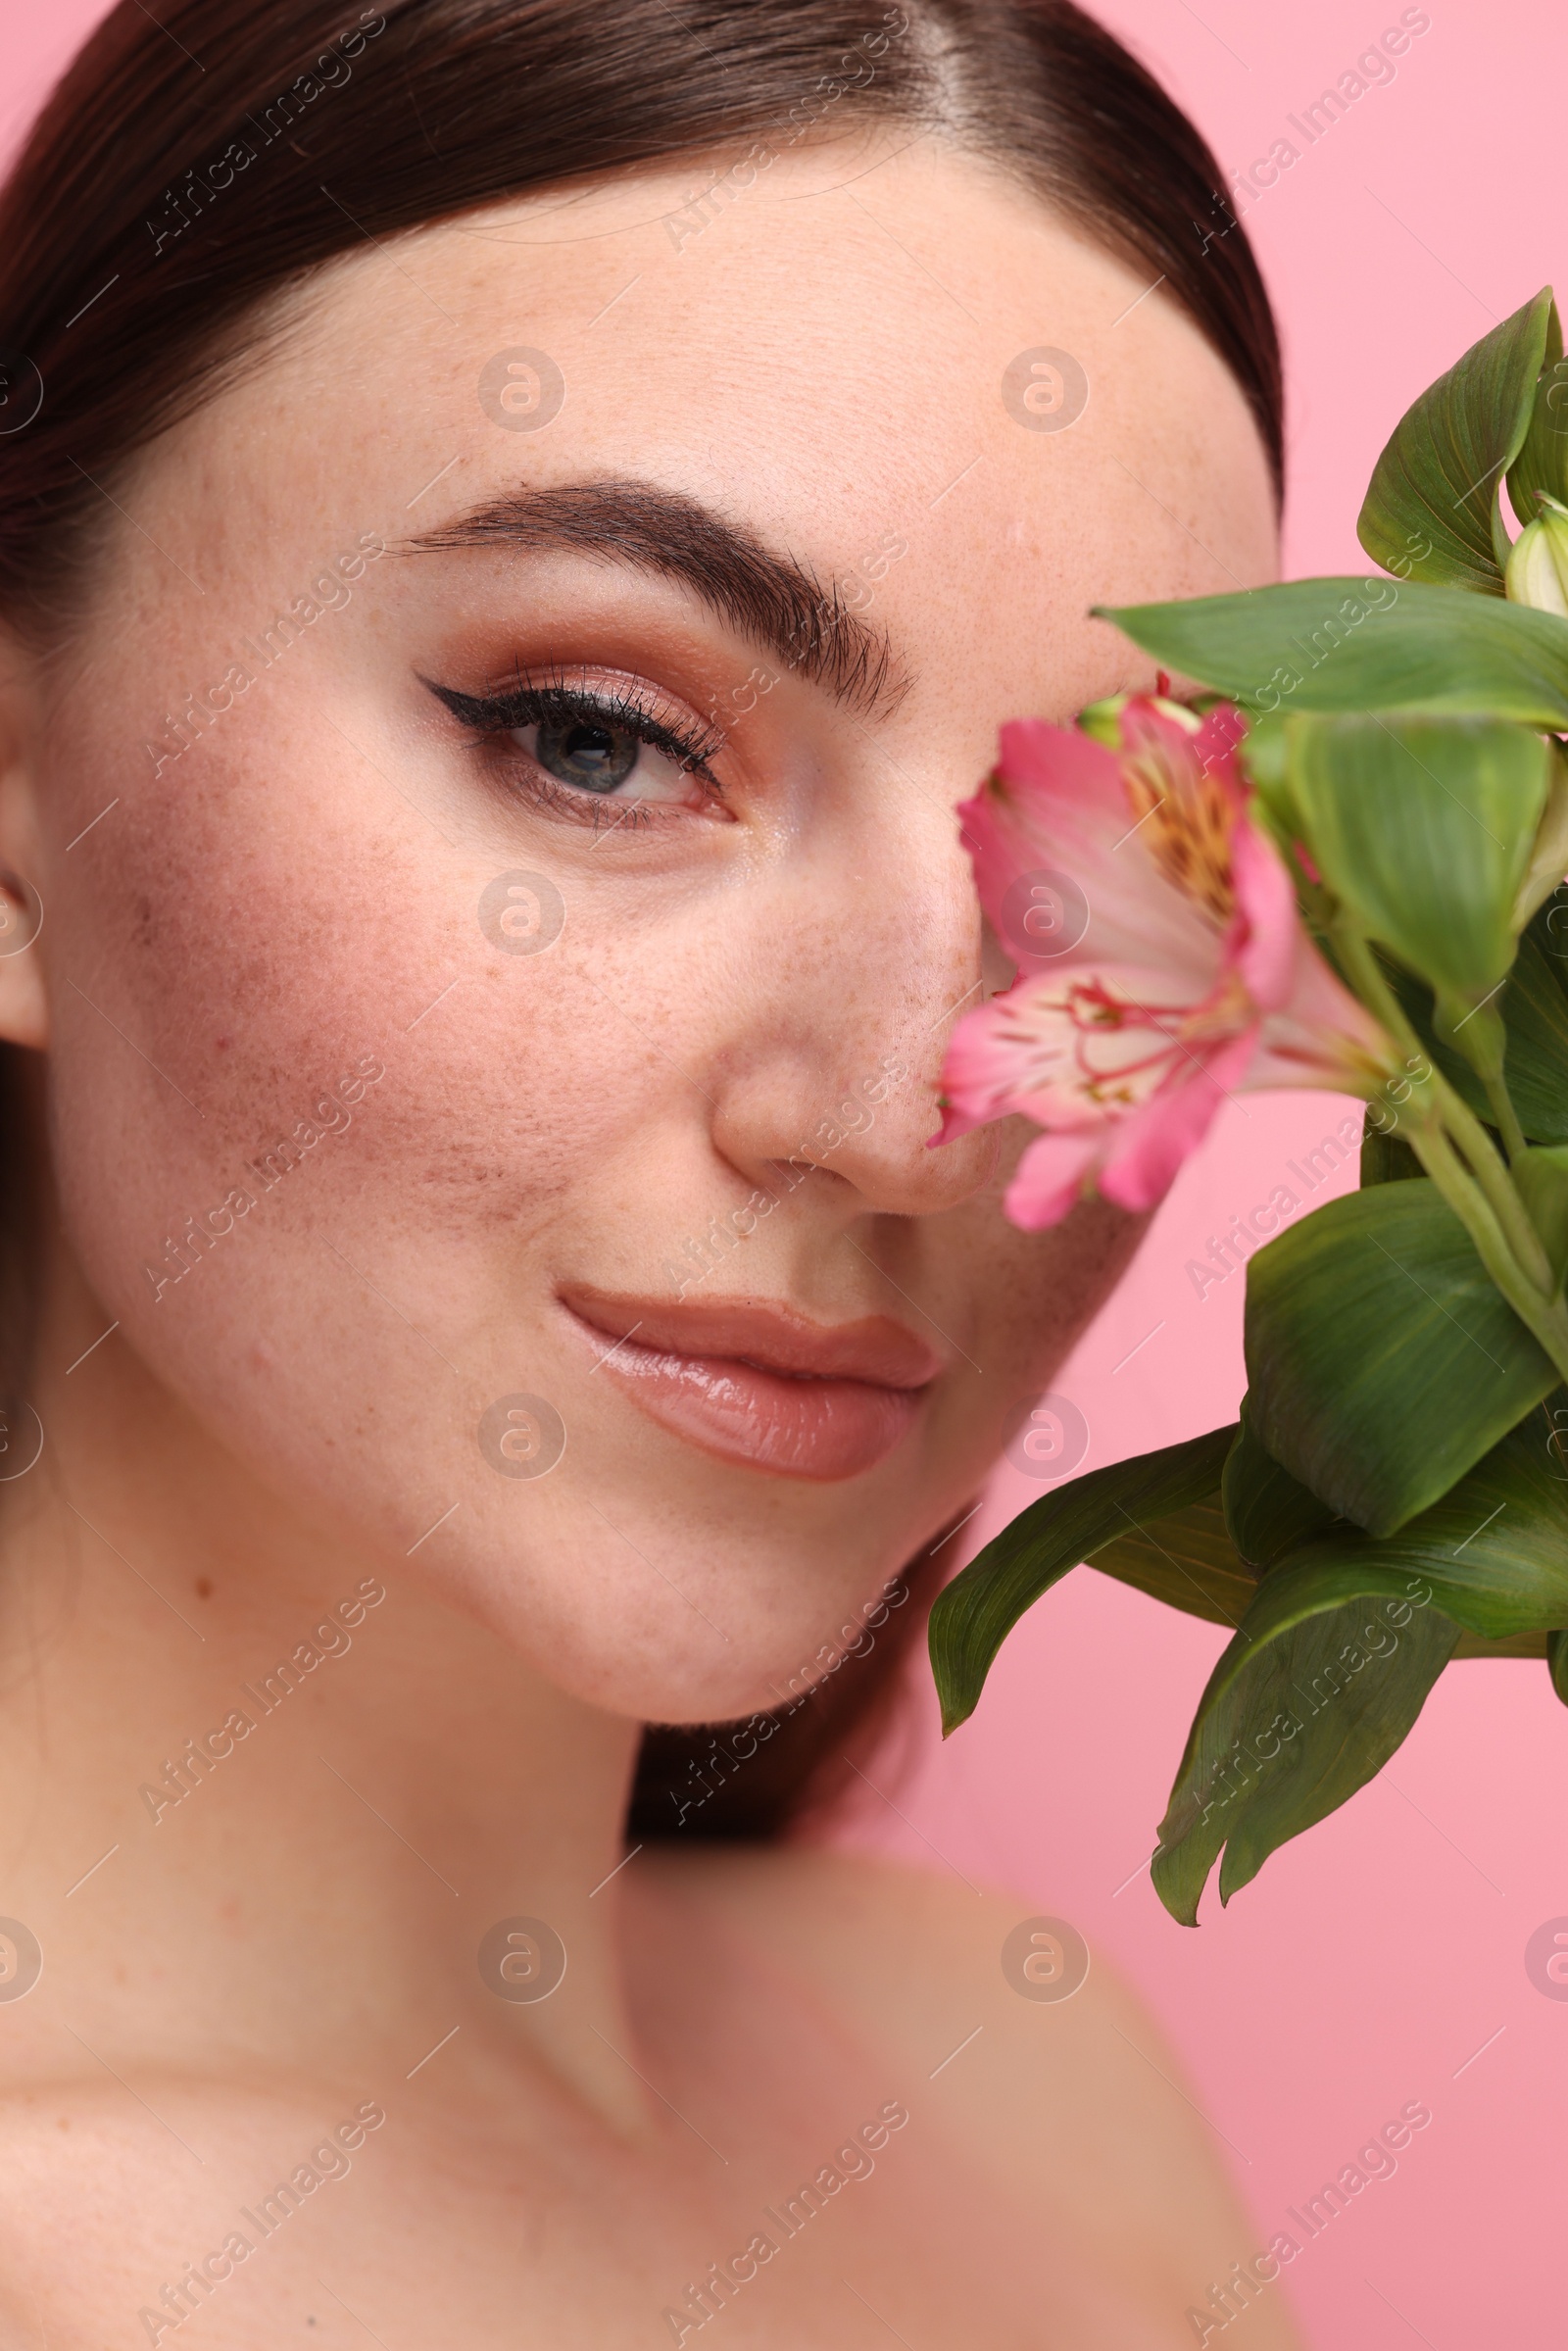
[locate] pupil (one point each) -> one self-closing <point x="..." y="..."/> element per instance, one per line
<point x="593" y="756"/>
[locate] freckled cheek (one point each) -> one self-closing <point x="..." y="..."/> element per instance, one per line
<point x="257" y="975"/>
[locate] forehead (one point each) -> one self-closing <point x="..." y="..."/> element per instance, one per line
<point x="873" y="332"/>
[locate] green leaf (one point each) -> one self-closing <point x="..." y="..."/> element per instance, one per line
<point x="1535" y="1015"/>
<point x="1385" y="1159"/>
<point x="1265" y="755"/>
<point x="1382" y="1363"/>
<point x="1557" y="1663"/>
<point x="979" y="1609"/>
<point x="1493" y="1551"/>
<point x="1435" y="485"/>
<point x="1535" y="1011"/>
<point x="1416" y="1001"/>
<point x="1542" y="1176"/>
<point x="1517" y="1644"/>
<point x="1363" y="645"/>
<point x="1293" y="1722"/>
<point x="1267" y="1512"/>
<point x="1423" y="829"/>
<point x="1548" y="858"/>
<point x="1186" y="1559"/>
<point x="1543" y="461"/>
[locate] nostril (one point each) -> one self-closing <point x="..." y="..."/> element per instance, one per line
<point x="791" y="1174"/>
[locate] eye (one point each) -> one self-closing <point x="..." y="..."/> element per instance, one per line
<point x="580" y="744"/>
<point x="599" y="756"/>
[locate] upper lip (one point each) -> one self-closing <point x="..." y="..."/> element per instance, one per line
<point x="758" y="1331"/>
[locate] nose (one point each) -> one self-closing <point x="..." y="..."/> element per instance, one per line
<point x="866" y="963"/>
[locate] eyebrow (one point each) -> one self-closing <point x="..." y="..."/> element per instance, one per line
<point x="765" y="595"/>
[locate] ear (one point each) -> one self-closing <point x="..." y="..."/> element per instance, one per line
<point x="23" y="999"/>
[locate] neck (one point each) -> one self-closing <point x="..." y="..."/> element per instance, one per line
<point x="266" y="1788"/>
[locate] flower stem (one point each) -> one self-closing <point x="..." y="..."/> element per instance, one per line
<point x="1546" y="1318"/>
<point x="1493" y="1177"/>
<point x="1486" y="1049"/>
<point x="1506" y="1116"/>
<point x="1508" y="1214"/>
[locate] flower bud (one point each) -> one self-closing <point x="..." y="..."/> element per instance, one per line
<point x="1538" y="569"/>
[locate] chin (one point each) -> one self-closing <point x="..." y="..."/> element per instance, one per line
<point x="724" y="1635"/>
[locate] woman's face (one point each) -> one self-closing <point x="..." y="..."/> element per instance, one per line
<point x="503" y="896"/>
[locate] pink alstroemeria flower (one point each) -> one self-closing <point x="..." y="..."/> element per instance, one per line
<point x="1194" y="978"/>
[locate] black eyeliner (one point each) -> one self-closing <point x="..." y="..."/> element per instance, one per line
<point x="551" y="702"/>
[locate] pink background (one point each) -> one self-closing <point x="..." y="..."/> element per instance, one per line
<point x="1375" y="1956"/>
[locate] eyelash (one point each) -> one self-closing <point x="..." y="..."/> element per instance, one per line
<point x="551" y="701"/>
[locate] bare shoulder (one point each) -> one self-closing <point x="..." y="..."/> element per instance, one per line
<point x="913" y="1953"/>
<point x="1043" y="2070"/>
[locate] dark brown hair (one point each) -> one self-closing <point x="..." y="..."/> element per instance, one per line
<point x="188" y="172"/>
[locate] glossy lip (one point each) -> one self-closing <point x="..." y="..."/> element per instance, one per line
<point x="757" y="1383"/>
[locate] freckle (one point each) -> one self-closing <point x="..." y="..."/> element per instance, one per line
<point x="203" y="1589"/>
<point x="64" y="2123"/>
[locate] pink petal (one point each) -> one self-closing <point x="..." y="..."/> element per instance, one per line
<point x="1053" y="790"/>
<point x="1057" y="801"/>
<point x="1184" y="753"/>
<point x="1026" y="1050"/>
<point x="1323" y="1035"/>
<point x="1122" y="1047"/>
<point x="984" y="1068"/>
<point x="1146" y="727"/>
<point x="1049" y="1179"/>
<point x="1045" y="762"/>
<point x="955" y="1122"/>
<point x="1267" y="923"/>
<point x="1147" y="1148"/>
<point x="1223" y="727"/>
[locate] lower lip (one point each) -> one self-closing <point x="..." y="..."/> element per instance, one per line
<point x="796" y="1428"/>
